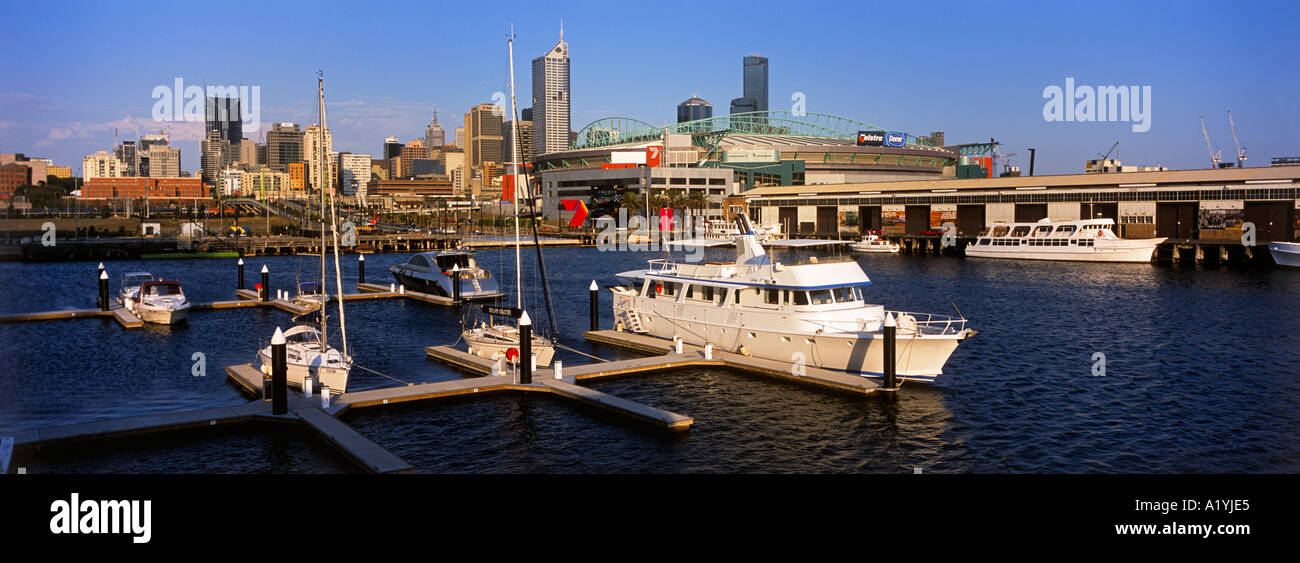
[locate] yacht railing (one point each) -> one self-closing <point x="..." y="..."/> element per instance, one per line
<point x="928" y="323"/>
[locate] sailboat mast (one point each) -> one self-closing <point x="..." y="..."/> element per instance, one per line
<point x="334" y="222"/>
<point x="514" y="164"/>
<point x="320" y="106"/>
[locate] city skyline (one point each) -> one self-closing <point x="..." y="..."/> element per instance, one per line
<point x="950" y="77"/>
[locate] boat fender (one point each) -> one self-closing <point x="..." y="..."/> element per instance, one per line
<point x="745" y="351"/>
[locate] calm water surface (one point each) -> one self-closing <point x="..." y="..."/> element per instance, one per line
<point x="1201" y="374"/>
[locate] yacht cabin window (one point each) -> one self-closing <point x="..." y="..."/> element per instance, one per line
<point x="772" y="296"/>
<point x="821" y="296"/>
<point x="846" y="294"/>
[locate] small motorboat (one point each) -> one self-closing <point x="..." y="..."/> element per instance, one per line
<point x="433" y="272"/>
<point x="873" y="243"/>
<point x="131" y="283"/>
<point x="160" y="302"/>
<point x="311" y="295"/>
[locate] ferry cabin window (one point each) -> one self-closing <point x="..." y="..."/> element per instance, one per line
<point x="821" y="296"/>
<point x="1065" y="230"/>
<point x="772" y="296"/>
<point x="1020" y="231"/>
<point x="1000" y="231"/>
<point x="1041" y="231"/>
<point x="984" y="241"/>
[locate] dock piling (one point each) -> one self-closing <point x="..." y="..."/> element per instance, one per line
<point x="455" y="283"/>
<point x="266" y="283"/>
<point x="361" y="268"/>
<point x="708" y="351"/>
<point x="103" y="290"/>
<point x="324" y="396"/>
<point x="525" y="349"/>
<point x="891" y="333"/>
<point x="279" y="374"/>
<point x="594" y="290"/>
<point x="559" y="370"/>
<point x="241" y="274"/>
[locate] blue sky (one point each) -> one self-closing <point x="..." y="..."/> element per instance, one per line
<point x="972" y="70"/>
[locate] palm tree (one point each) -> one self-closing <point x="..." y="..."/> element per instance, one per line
<point x="631" y="201"/>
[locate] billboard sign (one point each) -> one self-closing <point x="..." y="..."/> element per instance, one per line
<point x="895" y="139"/>
<point x="871" y="138"/>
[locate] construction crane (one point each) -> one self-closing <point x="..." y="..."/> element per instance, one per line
<point x="1241" y="151"/>
<point x="1006" y="161"/>
<point x="1107" y="155"/>
<point x="1214" y="156"/>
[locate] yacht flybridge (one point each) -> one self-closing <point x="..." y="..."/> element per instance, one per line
<point x="812" y="313"/>
<point x="1089" y="240"/>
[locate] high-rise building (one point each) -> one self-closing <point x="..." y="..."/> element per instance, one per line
<point x="126" y="154"/>
<point x="102" y="165"/>
<point x="151" y="141"/>
<point x="412" y="151"/>
<point x="756" y="80"/>
<point x="222" y="115"/>
<point x="215" y="156"/>
<point x="392" y="148"/>
<point x="354" y="174"/>
<point x="160" y="161"/>
<point x="248" y="151"/>
<point x="312" y="155"/>
<point x="297" y="176"/>
<point x="483" y="135"/>
<point x="283" y="146"/>
<point x="434" y="135"/>
<point x="551" y="123"/>
<point x="525" y="140"/>
<point x="745" y="104"/>
<point x="694" y="109"/>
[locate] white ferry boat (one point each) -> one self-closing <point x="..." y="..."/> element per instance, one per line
<point x="875" y="244"/>
<point x="1088" y="240"/>
<point x="812" y="312"/>
<point x="726" y="230"/>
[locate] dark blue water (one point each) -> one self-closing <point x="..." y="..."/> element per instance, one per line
<point x="1200" y="376"/>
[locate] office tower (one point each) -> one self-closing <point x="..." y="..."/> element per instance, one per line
<point x="101" y="165"/>
<point x="525" y="140"/>
<point x="460" y="138"/>
<point x="222" y="115"/>
<point x="354" y="173"/>
<point x="742" y="105"/>
<point x="694" y="109"/>
<point x="151" y="141"/>
<point x="551" y="99"/>
<point x="756" y="81"/>
<point x="392" y="148"/>
<point x="311" y="154"/>
<point x="126" y="155"/>
<point x="160" y="161"/>
<point x="434" y="135"/>
<point x="412" y="151"/>
<point x="248" y="151"/>
<point x="215" y="155"/>
<point x="483" y="135"/>
<point x="283" y="146"/>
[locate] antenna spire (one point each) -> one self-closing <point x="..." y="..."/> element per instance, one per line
<point x="561" y="30"/>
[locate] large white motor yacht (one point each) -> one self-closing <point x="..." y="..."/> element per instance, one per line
<point x="812" y="313"/>
<point x="1087" y="240"/>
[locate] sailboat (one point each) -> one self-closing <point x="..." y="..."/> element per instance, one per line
<point x="490" y="338"/>
<point x="307" y="348"/>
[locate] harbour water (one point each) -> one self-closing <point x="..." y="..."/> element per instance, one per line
<point x="1200" y="376"/>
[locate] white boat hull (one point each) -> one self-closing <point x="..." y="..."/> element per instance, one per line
<point x="296" y="372"/>
<point x="489" y="349"/>
<point x="920" y="357"/>
<point x="1124" y="250"/>
<point x="162" y="316"/>
<point x="1285" y="253"/>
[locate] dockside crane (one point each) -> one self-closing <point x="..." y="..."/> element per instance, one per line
<point x="1241" y="151"/>
<point x="1107" y="155"/>
<point x="1214" y="156"/>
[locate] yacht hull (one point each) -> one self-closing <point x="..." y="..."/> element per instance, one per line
<point x="1133" y="251"/>
<point x="296" y="372"/>
<point x="1285" y="253"/>
<point x="486" y="289"/>
<point x="484" y="348"/>
<point x="920" y="357"/>
<point x="162" y="316"/>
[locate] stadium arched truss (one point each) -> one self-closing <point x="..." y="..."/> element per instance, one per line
<point x="707" y="132"/>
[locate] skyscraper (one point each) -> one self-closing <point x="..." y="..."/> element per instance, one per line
<point x="693" y="109"/>
<point x="392" y="148"/>
<point x="756" y="80"/>
<point x="222" y="115"/>
<point x="434" y="135"/>
<point x="551" y="99"/>
<point x="483" y="135"/>
<point x="525" y="140"/>
<point x="215" y="155"/>
<point x="311" y="154"/>
<point x="283" y="146"/>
